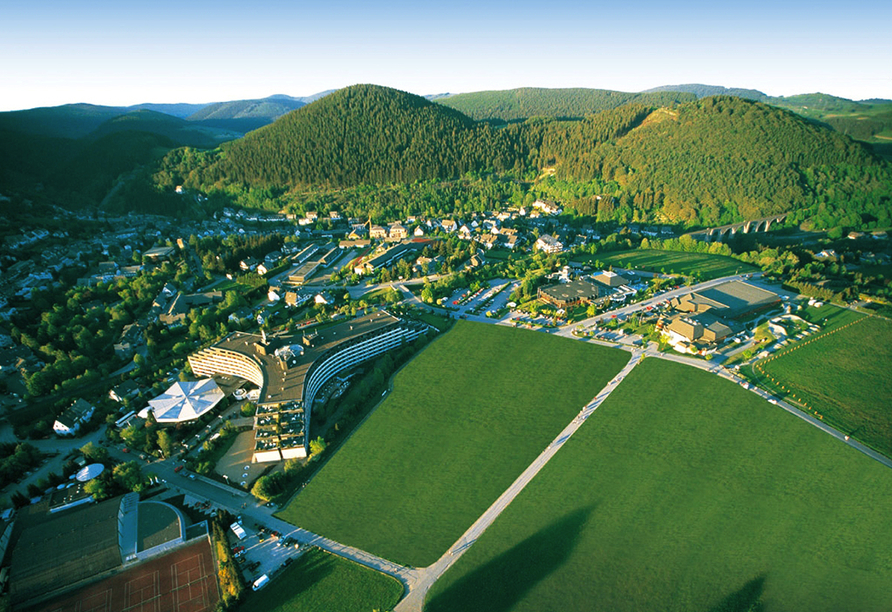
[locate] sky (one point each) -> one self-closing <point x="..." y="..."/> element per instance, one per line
<point x="123" y="52"/>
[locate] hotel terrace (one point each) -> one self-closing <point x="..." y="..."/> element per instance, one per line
<point x="291" y="368"/>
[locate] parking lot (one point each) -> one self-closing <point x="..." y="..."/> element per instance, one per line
<point x="264" y="553"/>
<point x="236" y="464"/>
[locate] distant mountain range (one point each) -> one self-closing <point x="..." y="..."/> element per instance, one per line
<point x="702" y="91"/>
<point x="79" y="120"/>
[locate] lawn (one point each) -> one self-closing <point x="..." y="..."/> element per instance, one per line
<point x="845" y="376"/>
<point x="464" y="419"/>
<point x="437" y="321"/>
<point x="829" y="317"/>
<point x="684" y="492"/>
<point x="319" y="581"/>
<point x="672" y="262"/>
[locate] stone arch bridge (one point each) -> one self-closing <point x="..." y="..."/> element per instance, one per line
<point x="720" y="234"/>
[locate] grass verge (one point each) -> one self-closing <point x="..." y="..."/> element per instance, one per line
<point x="319" y="581"/>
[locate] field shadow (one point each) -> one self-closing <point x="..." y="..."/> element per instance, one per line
<point x="748" y="598"/>
<point x="502" y="582"/>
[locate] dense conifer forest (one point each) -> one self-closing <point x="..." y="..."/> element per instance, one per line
<point x="706" y="162"/>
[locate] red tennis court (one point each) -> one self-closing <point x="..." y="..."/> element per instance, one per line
<point x="181" y="581"/>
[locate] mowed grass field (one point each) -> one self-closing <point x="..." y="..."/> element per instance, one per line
<point x="709" y="266"/>
<point x="684" y="492"/>
<point x="464" y="419"/>
<point x="319" y="581"/>
<point x="846" y="376"/>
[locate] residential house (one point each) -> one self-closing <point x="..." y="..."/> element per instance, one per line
<point x="158" y="253"/>
<point x="398" y="231"/>
<point x="126" y="390"/>
<point x="488" y="241"/>
<point x="181" y="305"/>
<point x="248" y="263"/>
<point x="549" y="244"/>
<point x="69" y="422"/>
<point x="376" y="232"/>
<point x="130" y="339"/>
<point x="547" y="206"/>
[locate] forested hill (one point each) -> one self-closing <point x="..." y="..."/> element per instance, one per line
<point x="246" y="115"/>
<point x="707" y="162"/>
<point x="724" y="158"/>
<point x="518" y="104"/>
<point x="360" y="134"/>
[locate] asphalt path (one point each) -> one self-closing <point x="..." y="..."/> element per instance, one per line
<point x="414" y="600"/>
<point x="240" y="503"/>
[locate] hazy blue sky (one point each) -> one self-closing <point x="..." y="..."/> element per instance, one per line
<point x="122" y="52"/>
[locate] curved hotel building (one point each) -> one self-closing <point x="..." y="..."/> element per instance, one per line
<point x="291" y="368"/>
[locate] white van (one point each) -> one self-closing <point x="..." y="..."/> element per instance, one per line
<point x="261" y="582"/>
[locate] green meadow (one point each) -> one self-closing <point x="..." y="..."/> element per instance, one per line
<point x="672" y="262"/>
<point x="845" y="376"/>
<point x="464" y="419"/>
<point x="684" y="492"/>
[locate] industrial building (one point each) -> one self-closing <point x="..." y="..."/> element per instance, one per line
<point x="291" y="368"/>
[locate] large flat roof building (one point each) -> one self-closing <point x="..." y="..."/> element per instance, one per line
<point x="731" y="300"/>
<point x="291" y="368"/>
<point x="565" y="295"/>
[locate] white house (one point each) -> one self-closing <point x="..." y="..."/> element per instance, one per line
<point x="549" y="244"/>
<point x="70" y="421"/>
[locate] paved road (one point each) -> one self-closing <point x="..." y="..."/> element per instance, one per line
<point x="238" y="502"/>
<point x="414" y="600"/>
